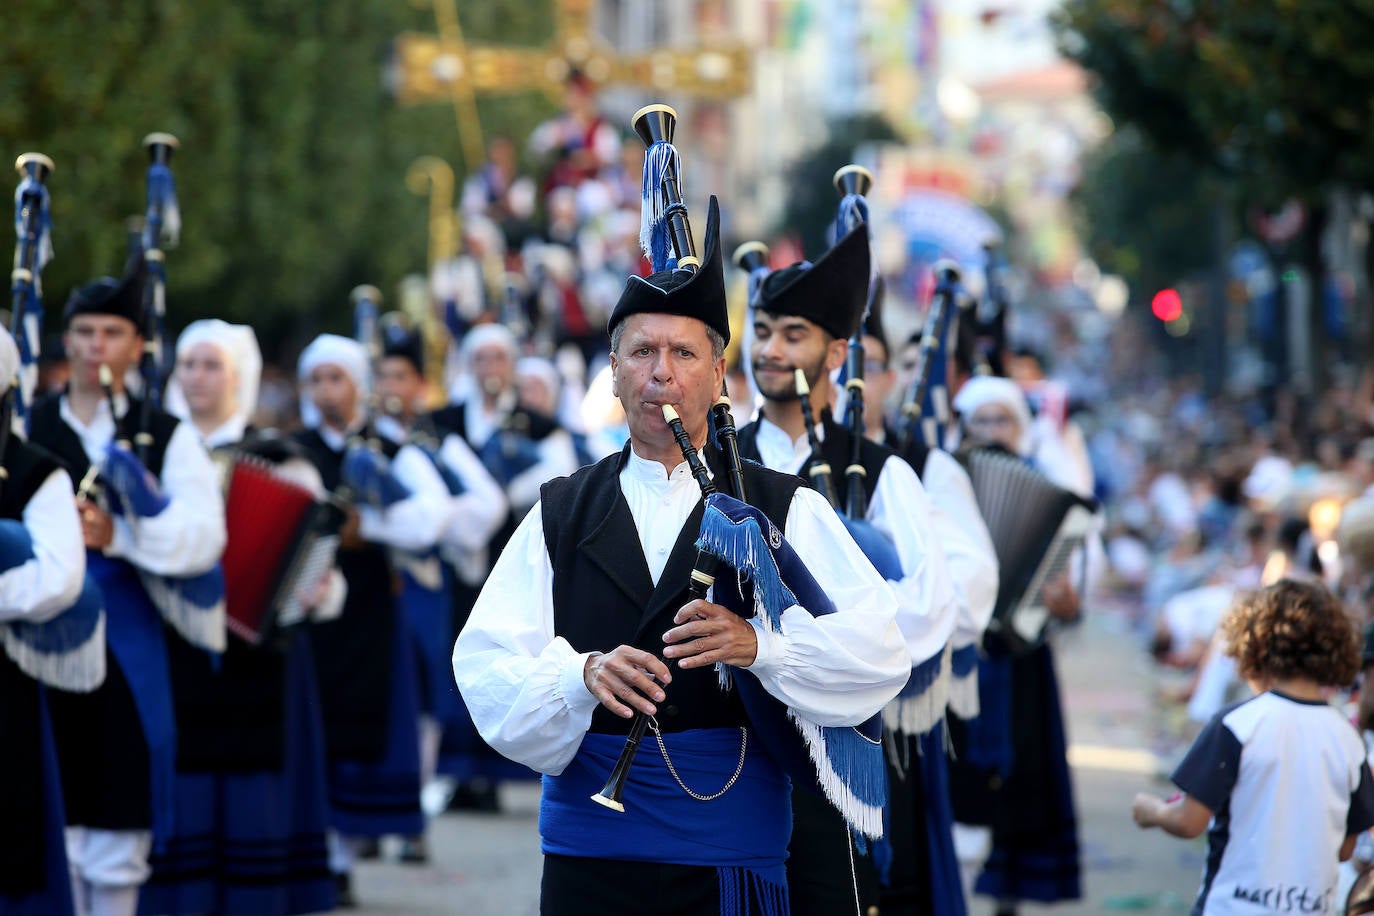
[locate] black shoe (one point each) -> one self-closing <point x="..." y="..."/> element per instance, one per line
<point x="343" y="886"/>
<point x="478" y="795"/>
<point x="414" y="851"/>
<point x="368" y="849"/>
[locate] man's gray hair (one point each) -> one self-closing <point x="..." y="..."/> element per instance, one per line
<point x="717" y="341"/>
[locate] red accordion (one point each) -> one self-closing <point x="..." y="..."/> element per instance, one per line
<point x="281" y="540"/>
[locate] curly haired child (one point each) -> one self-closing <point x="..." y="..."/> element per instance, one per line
<point x="1280" y="778"/>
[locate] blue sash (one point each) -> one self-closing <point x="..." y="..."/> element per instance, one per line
<point x="748" y="827"/>
<point x="136" y="640"/>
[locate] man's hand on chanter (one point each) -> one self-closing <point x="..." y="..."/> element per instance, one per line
<point x="626" y="674"/>
<point x="708" y="633"/>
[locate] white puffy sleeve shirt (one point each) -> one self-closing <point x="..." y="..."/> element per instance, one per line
<point x="524" y="685"/>
<point x="479" y="511"/>
<point x="42" y="587"/>
<point x="187" y="537"/>
<point x="927" y="606"/>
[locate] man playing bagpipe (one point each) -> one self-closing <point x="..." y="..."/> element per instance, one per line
<point x="924" y="874"/>
<point x="478" y="508"/>
<point x="522" y="449"/>
<point x="562" y="648"/>
<point x="802" y="319"/>
<point x="365" y="664"/>
<point x="148" y="523"/>
<point x="250" y="835"/>
<point x="46" y="641"/>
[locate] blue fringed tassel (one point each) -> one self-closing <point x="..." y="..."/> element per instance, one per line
<point x="162" y="193"/>
<point x="920" y="705"/>
<point x="660" y="160"/>
<point x="31" y="322"/>
<point x="193" y="605"/>
<point x="853" y="210"/>
<point x="741" y="886"/>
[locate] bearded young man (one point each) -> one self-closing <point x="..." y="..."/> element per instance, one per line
<point x="803" y="316"/>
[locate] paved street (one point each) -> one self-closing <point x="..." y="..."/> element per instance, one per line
<point x="490" y="864"/>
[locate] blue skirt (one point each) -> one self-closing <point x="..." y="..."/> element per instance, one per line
<point x="253" y="842"/>
<point x="56" y="897"/>
<point x="946" y="887"/>
<point x="382" y="797"/>
<point x="1035" y="840"/>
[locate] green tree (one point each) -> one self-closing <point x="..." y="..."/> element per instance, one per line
<point x="291" y="171"/>
<point x="1142" y="211"/>
<point x="1276" y="96"/>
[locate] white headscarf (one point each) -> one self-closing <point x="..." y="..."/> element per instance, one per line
<point x="239" y="345"/>
<point x="9" y="360"/>
<point x="986" y="389"/>
<point x="333" y="350"/>
<point x="484" y="335"/>
<point x="464" y="387"/>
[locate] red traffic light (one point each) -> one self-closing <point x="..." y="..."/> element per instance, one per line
<point x="1167" y="305"/>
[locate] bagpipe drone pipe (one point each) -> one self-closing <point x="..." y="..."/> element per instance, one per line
<point x="67" y="651"/>
<point x="194" y="605"/>
<point x="920" y="705"/>
<point x="925" y="412"/>
<point x="843" y="764"/>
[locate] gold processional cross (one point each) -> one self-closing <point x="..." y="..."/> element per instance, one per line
<point x="430" y="68"/>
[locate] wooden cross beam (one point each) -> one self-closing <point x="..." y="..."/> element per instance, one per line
<point x="429" y="68"/>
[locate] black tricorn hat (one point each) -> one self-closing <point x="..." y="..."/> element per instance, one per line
<point x="830" y="293"/>
<point x="679" y="292"/>
<point x="873" y="322"/>
<point x="108" y="296"/>
<point x="401" y="340"/>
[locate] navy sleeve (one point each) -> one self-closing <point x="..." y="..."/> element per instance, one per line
<point x="1361" y="815"/>
<point x="1208" y="771"/>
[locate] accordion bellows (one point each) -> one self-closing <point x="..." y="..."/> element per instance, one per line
<point x="282" y="539"/>
<point x="1036" y="525"/>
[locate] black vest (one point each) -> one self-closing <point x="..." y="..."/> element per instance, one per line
<point x="21" y="766"/>
<point x="915" y="453"/>
<point x="28" y="467"/>
<point x="47" y="428"/>
<point x="603" y="596"/>
<point x="836" y="450"/>
<point x="353" y="651"/>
